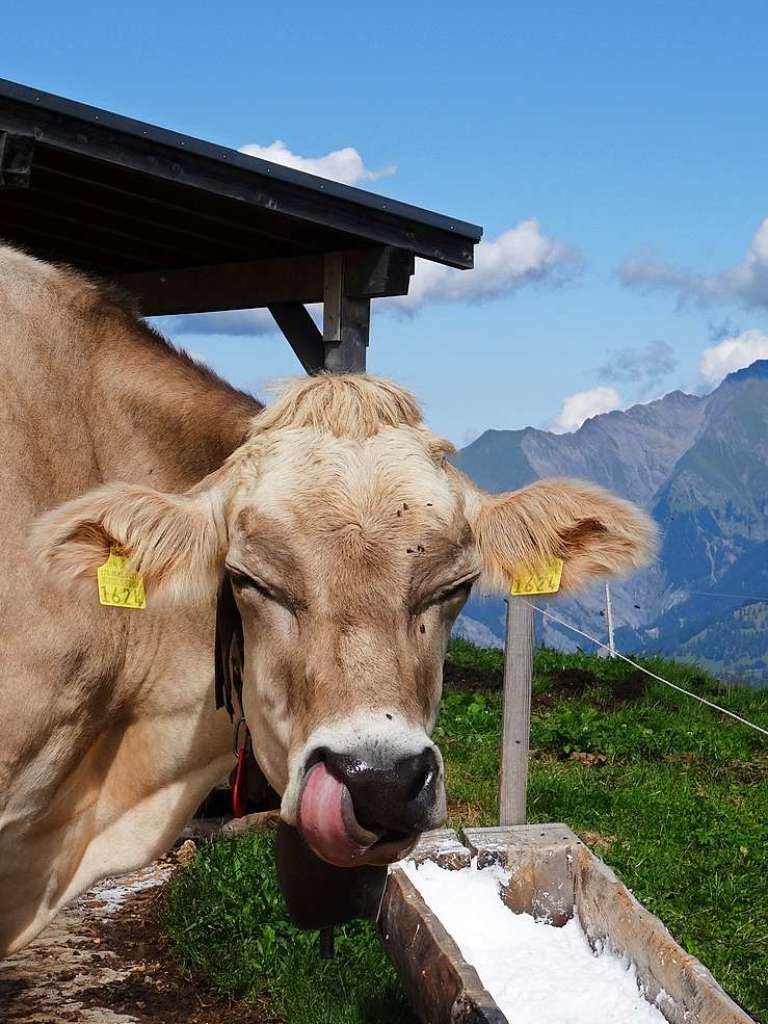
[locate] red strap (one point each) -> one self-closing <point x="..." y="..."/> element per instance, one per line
<point x="240" y="788"/>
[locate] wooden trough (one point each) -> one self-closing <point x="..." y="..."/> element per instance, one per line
<point x="553" y="876"/>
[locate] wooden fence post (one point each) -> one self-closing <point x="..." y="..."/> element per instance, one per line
<point x="609" y="620"/>
<point x="518" y="678"/>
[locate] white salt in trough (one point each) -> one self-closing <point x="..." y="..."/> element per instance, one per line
<point x="607" y="960"/>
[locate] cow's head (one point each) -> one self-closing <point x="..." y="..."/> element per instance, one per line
<point x="351" y="545"/>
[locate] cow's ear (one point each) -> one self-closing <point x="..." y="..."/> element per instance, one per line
<point x="594" y="533"/>
<point x="172" y="540"/>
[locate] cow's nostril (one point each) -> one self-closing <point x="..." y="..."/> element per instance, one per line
<point x="319" y="755"/>
<point x="420" y="783"/>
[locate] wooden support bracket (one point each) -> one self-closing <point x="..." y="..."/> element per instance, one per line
<point x="302" y="333"/>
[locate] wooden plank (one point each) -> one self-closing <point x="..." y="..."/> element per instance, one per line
<point x="63" y="248"/>
<point x="152" y="226"/>
<point x="302" y="333"/>
<point x="348" y="354"/>
<point x="239" y="227"/>
<point x="24" y="209"/>
<point x="257" y="283"/>
<point x="518" y="676"/>
<point x="539" y="859"/>
<point x="346" y="319"/>
<point x="682" y="987"/>
<point x="441" y="986"/>
<point x="16" y="155"/>
<point x="333" y="295"/>
<point x="443" y="846"/>
<point x="226" y="286"/>
<point x="497" y="843"/>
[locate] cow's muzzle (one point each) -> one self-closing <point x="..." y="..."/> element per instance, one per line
<point x="354" y="812"/>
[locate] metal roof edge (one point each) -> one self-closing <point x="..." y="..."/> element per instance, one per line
<point x="176" y="140"/>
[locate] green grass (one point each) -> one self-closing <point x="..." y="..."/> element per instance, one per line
<point x="227" y="923"/>
<point x="671" y="794"/>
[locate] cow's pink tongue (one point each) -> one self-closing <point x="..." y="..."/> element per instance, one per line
<point x="327" y="820"/>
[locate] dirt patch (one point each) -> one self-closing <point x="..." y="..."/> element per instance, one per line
<point x="470" y="679"/>
<point x="105" y="960"/>
<point x="598" y="840"/>
<point x="565" y="683"/>
<point x="631" y="688"/>
<point x="589" y="758"/>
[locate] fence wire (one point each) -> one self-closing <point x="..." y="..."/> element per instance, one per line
<point x="641" y="668"/>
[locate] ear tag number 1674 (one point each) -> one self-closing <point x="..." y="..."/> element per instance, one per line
<point x="118" y="587"/>
<point x="545" y="580"/>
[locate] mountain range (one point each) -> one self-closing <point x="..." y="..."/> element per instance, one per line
<point x="699" y="465"/>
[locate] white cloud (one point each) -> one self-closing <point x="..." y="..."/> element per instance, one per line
<point x="344" y="165"/>
<point x="734" y="353"/>
<point x="746" y="282"/>
<point x="520" y="255"/>
<point x="582" y="405"/>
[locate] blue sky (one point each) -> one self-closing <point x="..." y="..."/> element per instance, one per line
<point x="634" y="135"/>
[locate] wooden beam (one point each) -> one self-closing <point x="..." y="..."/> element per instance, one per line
<point x="16" y="153"/>
<point x="225" y="286"/>
<point x="301" y="331"/>
<point x="518" y="676"/>
<point x="368" y="273"/>
<point x="346" y="319"/>
<point x="377" y="272"/>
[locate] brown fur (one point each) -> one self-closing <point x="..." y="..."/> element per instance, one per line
<point x="108" y="738"/>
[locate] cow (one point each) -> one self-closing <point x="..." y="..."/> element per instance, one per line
<point x="327" y="534"/>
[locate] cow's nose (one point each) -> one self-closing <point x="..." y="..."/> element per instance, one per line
<point x="404" y="796"/>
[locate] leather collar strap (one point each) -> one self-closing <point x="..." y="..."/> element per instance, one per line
<point x="228" y="653"/>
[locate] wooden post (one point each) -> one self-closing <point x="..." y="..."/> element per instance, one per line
<point x="609" y="619"/>
<point x="518" y="678"/>
<point x="346" y="325"/>
<point x="346" y="321"/>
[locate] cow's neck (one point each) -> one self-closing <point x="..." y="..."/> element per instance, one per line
<point x="129" y="739"/>
<point x="160" y="418"/>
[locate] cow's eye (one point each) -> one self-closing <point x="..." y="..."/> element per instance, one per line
<point x="451" y="592"/>
<point x="243" y="582"/>
<point x="460" y="589"/>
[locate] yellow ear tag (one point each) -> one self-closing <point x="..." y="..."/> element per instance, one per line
<point x="118" y="587"/>
<point x="545" y="580"/>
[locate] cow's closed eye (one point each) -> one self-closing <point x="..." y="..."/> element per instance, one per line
<point x="459" y="589"/>
<point x="244" y="583"/>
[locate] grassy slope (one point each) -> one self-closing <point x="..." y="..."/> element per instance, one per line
<point x="671" y="794"/>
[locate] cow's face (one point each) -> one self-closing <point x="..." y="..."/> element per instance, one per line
<point x="350" y="556"/>
<point x="350" y="561"/>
